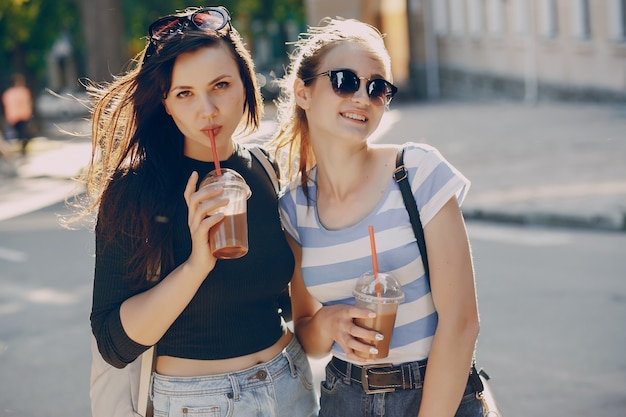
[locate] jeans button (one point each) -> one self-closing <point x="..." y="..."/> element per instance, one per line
<point x="261" y="375"/>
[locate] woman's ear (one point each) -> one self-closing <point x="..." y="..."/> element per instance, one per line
<point x="301" y="94"/>
<point x="165" y="107"/>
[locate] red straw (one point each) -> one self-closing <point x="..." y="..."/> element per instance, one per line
<point x="216" y="158"/>
<point x="375" y="261"/>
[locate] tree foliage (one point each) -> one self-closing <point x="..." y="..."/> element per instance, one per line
<point x="29" y="28"/>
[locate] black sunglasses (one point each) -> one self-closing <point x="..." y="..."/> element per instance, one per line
<point x="346" y="82"/>
<point x="207" y="18"/>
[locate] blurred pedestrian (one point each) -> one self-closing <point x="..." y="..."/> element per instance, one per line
<point x="335" y="93"/>
<point x="18" y="110"/>
<point x="221" y="345"/>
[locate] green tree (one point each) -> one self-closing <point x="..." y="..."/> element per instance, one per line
<point x="105" y="34"/>
<point x="28" y="29"/>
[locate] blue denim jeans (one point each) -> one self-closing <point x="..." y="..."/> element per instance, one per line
<point x="342" y="396"/>
<point x="280" y="387"/>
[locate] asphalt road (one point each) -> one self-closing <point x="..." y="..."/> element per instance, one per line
<point x="552" y="303"/>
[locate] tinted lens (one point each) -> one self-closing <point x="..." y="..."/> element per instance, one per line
<point x="344" y="81"/>
<point x="379" y="89"/>
<point x="209" y="19"/>
<point x="162" y="28"/>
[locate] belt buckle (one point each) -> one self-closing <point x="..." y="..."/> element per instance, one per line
<point x="365" y="379"/>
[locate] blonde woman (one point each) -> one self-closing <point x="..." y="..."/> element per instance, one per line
<point x="335" y="93"/>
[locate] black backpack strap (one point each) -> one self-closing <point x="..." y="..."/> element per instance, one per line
<point x="271" y="169"/>
<point x="400" y="175"/>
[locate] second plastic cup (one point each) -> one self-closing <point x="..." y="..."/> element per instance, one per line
<point x="229" y="238"/>
<point x="385" y="305"/>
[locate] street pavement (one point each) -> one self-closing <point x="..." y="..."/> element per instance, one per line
<point x="549" y="164"/>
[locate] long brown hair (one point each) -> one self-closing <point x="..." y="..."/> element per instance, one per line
<point x="137" y="148"/>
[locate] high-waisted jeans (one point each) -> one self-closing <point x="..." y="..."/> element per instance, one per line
<point x="281" y="387"/>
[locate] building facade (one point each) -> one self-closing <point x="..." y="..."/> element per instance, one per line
<point x="522" y="49"/>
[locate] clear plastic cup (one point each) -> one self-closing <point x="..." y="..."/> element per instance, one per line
<point x="384" y="305"/>
<point x="229" y="238"/>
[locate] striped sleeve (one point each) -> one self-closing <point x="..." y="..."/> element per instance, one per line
<point x="433" y="179"/>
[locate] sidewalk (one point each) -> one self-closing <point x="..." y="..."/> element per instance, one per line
<point x="552" y="164"/>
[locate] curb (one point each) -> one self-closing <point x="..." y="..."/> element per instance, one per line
<point x="597" y="222"/>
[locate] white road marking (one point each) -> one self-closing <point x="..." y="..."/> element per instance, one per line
<point x="518" y="235"/>
<point x="12" y="255"/>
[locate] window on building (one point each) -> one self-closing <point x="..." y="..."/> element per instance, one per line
<point x="457" y="17"/>
<point x="623" y="19"/>
<point x="440" y="16"/>
<point x="617" y="18"/>
<point x="549" y="18"/>
<point x="581" y="19"/>
<point x="495" y="17"/>
<point x="522" y="17"/>
<point x="475" y="17"/>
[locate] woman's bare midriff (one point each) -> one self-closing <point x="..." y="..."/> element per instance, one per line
<point x="171" y="366"/>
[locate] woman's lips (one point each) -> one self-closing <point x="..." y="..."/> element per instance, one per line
<point x="211" y="131"/>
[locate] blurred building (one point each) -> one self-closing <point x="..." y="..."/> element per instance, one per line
<point x="522" y="49"/>
<point x="390" y="16"/>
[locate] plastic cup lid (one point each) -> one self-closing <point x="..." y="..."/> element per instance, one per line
<point x="391" y="290"/>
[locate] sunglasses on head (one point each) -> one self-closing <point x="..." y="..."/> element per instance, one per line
<point x="207" y="18"/>
<point x="346" y="82"/>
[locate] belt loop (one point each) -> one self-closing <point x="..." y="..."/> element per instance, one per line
<point x="419" y="370"/>
<point x="292" y="365"/>
<point x="235" y="385"/>
<point x="408" y="376"/>
<point x="346" y="378"/>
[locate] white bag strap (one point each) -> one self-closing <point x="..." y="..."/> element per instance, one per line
<point x="147" y="362"/>
<point x="269" y="168"/>
<point x="144" y="403"/>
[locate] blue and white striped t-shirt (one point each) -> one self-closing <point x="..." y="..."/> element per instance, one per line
<point x="332" y="260"/>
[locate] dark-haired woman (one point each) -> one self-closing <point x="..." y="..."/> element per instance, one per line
<point x="222" y="347"/>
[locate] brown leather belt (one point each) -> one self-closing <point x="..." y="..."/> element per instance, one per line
<point x="383" y="377"/>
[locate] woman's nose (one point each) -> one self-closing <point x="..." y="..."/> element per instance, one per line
<point x="208" y="107"/>
<point x="360" y="95"/>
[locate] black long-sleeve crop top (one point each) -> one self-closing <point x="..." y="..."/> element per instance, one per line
<point x="234" y="312"/>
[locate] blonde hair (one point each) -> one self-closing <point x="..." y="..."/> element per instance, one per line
<point x="292" y="143"/>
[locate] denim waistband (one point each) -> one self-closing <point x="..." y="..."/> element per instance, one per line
<point x="249" y="378"/>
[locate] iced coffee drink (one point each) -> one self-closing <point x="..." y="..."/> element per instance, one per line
<point x="381" y="294"/>
<point x="229" y="238"/>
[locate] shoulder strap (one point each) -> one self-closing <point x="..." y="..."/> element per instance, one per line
<point x="270" y="169"/>
<point x="148" y="362"/>
<point x="400" y="175"/>
<point x="147" y="366"/>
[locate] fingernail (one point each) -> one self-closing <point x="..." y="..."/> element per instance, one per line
<point x="373" y="351"/>
<point x="371" y="315"/>
<point x="379" y="336"/>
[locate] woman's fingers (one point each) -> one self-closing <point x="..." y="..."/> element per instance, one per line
<point x="357" y="341"/>
<point x="204" y="204"/>
<point x="190" y="187"/>
<point x="203" y="213"/>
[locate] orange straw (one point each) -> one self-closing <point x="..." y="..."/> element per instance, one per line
<point x="374" y="261"/>
<point x="216" y="158"/>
